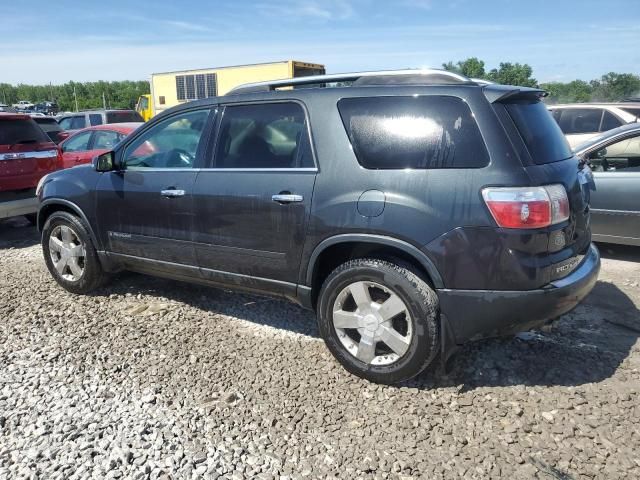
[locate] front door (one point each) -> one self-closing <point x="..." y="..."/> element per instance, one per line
<point x="615" y="205"/>
<point x="146" y="209"/>
<point x="253" y="206"/>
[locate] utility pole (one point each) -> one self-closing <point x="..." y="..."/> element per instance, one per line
<point x="104" y="101"/>
<point x="75" y="96"/>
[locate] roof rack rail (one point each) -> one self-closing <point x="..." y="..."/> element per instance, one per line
<point x="382" y="77"/>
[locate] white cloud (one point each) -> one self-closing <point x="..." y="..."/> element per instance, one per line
<point x="310" y="9"/>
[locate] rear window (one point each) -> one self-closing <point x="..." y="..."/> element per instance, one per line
<point x="427" y="132"/>
<point x="123" y="117"/>
<point x="21" y="131"/>
<point x="632" y="111"/>
<point x="539" y="131"/>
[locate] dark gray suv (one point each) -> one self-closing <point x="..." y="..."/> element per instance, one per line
<point x="413" y="210"/>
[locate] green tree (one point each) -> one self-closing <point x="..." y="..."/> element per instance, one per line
<point x="513" y="74"/>
<point x="571" y="92"/>
<point x="471" y="67"/>
<point x="615" y="86"/>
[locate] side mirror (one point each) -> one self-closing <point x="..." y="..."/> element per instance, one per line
<point x="104" y="162"/>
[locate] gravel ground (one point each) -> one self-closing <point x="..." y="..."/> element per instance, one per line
<point x="150" y="378"/>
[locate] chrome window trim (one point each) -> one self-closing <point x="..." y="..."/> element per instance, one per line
<point x="208" y="169"/>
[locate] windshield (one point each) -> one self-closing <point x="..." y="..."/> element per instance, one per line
<point x="124" y="116"/>
<point x="541" y="134"/>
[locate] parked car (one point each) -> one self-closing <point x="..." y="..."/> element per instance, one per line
<point x="90" y="118"/>
<point x="582" y="121"/>
<point x="6" y="108"/>
<point x="50" y="127"/>
<point x="23" y="105"/>
<point x="614" y="158"/>
<point x="46" y="108"/>
<point x="82" y="146"/>
<point x="26" y="155"/>
<point x="413" y="210"/>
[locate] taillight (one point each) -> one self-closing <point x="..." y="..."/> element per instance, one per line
<point x="59" y="159"/>
<point x="527" y="207"/>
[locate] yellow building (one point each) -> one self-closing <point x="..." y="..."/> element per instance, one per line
<point x="172" y="88"/>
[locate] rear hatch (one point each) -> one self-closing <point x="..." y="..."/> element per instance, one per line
<point x="26" y="153"/>
<point x="548" y="160"/>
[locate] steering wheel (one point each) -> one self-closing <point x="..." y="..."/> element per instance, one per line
<point x="178" y="157"/>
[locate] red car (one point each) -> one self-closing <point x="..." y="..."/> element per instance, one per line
<point x="85" y="144"/>
<point x="26" y="155"/>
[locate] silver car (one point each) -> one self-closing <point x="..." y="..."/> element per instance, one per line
<point x="614" y="158"/>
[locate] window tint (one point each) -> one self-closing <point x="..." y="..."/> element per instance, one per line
<point x="623" y="155"/>
<point x="609" y="121"/>
<point x="105" y="139"/>
<point x="123" y="116"/>
<point x="263" y="136"/>
<point x="65" y="123"/>
<point x="413" y="132"/>
<point x="542" y="136"/>
<point x="21" y="131"/>
<point x="77" y="143"/>
<point x="172" y="143"/>
<point x="580" y="120"/>
<point x="95" y="119"/>
<point x="78" y="122"/>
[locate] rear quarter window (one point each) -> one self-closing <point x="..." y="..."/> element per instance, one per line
<point x="426" y="132"/>
<point x="541" y="134"/>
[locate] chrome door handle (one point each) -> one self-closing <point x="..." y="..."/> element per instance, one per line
<point x="172" y="193"/>
<point x="287" y="198"/>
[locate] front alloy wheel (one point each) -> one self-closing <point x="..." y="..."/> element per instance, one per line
<point x="67" y="253"/>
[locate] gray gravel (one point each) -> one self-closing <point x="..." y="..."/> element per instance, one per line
<point x="156" y="379"/>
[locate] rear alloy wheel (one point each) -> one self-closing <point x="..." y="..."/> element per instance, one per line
<point x="379" y="319"/>
<point x="70" y="255"/>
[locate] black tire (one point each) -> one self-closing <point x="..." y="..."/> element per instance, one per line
<point x="32" y="217"/>
<point x="421" y="303"/>
<point x="93" y="275"/>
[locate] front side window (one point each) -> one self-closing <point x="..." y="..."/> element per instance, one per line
<point x="580" y="120"/>
<point x="105" y="139"/>
<point x="621" y="156"/>
<point x="77" y="143"/>
<point x="268" y="135"/>
<point x="427" y="132"/>
<point x="78" y="122"/>
<point x="95" y="119"/>
<point x="172" y="143"/>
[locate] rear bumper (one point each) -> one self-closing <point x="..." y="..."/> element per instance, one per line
<point x="22" y="206"/>
<point x="475" y="314"/>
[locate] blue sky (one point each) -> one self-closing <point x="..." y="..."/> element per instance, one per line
<point x="61" y="40"/>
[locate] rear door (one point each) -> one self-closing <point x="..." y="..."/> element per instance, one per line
<point x="253" y="206"/>
<point x="146" y="209"/>
<point x="615" y="203"/>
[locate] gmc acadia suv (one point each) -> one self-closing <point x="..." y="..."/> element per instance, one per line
<point x="413" y="210"/>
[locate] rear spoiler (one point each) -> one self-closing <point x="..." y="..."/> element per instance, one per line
<point x="509" y="93"/>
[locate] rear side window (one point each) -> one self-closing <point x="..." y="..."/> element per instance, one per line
<point x="21" y="131"/>
<point x="609" y="122"/>
<point x="428" y="132"/>
<point x="269" y="135"/>
<point x="124" y="116"/>
<point x="580" y="120"/>
<point x="542" y="136"/>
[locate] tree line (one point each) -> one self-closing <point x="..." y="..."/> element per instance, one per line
<point x="123" y="94"/>
<point x="611" y="87"/>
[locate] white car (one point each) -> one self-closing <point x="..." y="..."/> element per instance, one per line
<point x="581" y="121"/>
<point x="22" y="105"/>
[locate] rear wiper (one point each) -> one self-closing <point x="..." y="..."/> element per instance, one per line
<point x="22" y="142"/>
